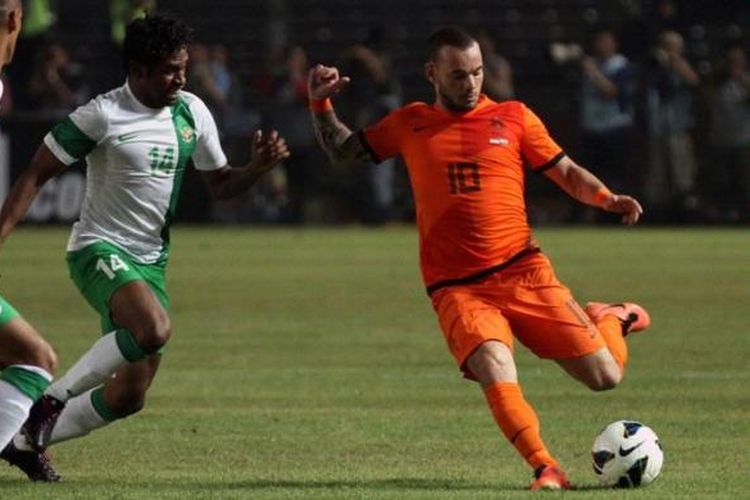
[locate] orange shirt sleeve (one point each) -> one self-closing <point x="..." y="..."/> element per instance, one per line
<point x="383" y="139"/>
<point x="537" y="147"/>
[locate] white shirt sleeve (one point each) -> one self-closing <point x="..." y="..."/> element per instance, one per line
<point x="208" y="154"/>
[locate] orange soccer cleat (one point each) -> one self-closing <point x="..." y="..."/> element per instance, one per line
<point x="633" y="317"/>
<point x="550" y="477"/>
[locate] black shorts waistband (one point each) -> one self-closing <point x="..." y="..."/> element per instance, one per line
<point x="473" y="278"/>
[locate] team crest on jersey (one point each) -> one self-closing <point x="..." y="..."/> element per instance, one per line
<point x="496" y="123"/>
<point x="187" y="133"/>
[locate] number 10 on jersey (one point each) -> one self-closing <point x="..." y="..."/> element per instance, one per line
<point x="464" y="178"/>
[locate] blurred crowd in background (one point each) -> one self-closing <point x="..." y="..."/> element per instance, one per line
<point x="652" y="96"/>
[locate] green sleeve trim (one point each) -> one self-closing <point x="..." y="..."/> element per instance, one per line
<point x="31" y="384"/>
<point x="72" y="139"/>
<point x="101" y="406"/>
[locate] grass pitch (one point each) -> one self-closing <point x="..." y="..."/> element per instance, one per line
<point x="308" y="364"/>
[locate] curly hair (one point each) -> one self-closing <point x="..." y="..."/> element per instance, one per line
<point x="150" y="39"/>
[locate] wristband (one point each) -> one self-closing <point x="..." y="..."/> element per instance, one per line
<point x="318" y="106"/>
<point x="603" y="196"/>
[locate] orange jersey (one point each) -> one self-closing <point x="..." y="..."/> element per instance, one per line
<point x="468" y="178"/>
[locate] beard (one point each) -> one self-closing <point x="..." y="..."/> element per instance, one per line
<point x="452" y="105"/>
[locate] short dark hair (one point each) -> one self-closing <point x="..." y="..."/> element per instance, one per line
<point x="450" y="35"/>
<point x="150" y="39"/>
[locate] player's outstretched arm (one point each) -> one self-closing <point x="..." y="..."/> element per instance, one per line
<point x="44" y="165"/>
<point x="336" y="139"/>
<point x="268" y="150"/>
<point x="587" y="188"/>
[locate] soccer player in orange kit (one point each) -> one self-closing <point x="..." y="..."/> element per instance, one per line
<point x="488" y="280"/>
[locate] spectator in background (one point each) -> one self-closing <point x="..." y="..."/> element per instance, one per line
<point x="292" y="119"/>
<point x="670" y="177"/>
<point x="57" y="83"/>
<point x="222" y="75"/>
<point x="121" y="12"/>
<point x="729" y="169"/>
<point x="666" y="17"/>
<point x="498" y="74"/>
<point x="374" y="92"/>
<point x="607" y="89"/>
<point x="39" y="20"/>
<point x="210" y="79"/>
<point x="648" y="22"/>
<point x="39" y="17"/>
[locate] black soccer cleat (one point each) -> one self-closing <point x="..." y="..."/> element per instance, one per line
<point x="34" y="464"/>
<point x="42" y="417"/>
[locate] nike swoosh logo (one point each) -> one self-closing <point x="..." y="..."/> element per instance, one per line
<point x="417" y="128"/>
<point x="127" y="137"/>
<point x="624" y="452"/>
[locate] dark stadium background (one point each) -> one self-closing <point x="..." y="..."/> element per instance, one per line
<point x="522" y="29"/>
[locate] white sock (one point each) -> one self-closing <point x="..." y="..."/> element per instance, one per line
<point x="14" y="408"/>
<point x="92" y="369"/>
<point x="77" y="419"/>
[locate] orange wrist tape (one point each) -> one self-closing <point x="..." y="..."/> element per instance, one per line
<point x="321" y="105"/>
<point x="602" y="196"/>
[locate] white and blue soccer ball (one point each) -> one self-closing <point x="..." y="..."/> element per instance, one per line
<point x="627" y="454"/>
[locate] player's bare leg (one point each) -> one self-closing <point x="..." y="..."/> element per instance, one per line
<point x="135" y="308"/>
<point x="493" y="366"/>
<point x="599" y="370"/>
<point x="129" y="353"/>
<point x="123" y="395"/>
<point x="605" y="368"/>
<point x="28" y="363"/>
<point x="22" y="344"/>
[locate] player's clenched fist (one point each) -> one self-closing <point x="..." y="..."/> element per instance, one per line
<point x="325" y="81"/>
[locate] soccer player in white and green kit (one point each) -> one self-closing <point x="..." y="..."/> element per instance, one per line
<point x="137" y="140"/>
<point x="27" y="361"/>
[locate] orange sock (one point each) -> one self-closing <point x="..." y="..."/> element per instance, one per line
<point x="611" y="330"/>
<point x="519" y="423"/>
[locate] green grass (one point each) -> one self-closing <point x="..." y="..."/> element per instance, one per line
<point x="308" y="364"/>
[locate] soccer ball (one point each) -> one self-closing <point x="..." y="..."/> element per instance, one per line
<point x="627" y="454"/>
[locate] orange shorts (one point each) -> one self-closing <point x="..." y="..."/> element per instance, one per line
<point x="524" y="300"/>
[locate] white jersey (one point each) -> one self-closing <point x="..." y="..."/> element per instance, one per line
<point x="136" y="158"/>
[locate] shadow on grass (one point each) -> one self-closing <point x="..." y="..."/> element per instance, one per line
<point x="399" y="484"/>
<point x="593" y="487"/>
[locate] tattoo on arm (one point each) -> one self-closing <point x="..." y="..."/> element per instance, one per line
<point x="338" y="141"/>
